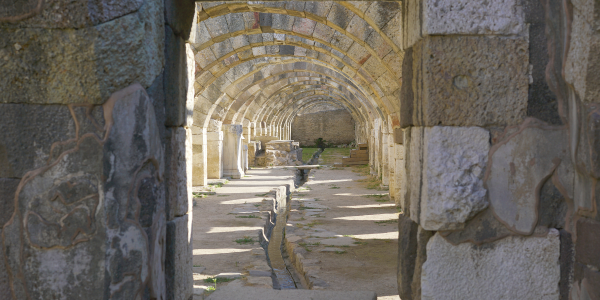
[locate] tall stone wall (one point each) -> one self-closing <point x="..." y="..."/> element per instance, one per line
<point x="334" y="126"/>
<point x="502" y="159"/>
<point x="95" y="149"/>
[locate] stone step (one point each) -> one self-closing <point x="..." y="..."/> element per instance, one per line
<point x="353" y="151"/>
<point x="349" y="159"/>
<point x="250" y="293"/>
<point x="362" y="147"/>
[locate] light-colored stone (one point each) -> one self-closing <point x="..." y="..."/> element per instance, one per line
<point x="467" y="81"/>
<point x="215" y="154"/>
<point x="511" y="268"/>
<point x="494" y="17"/>
<point x="232" y="151"/>
<point x="520" y="164"/>
<point x="447" y="166"/>
<point x="85" y="65"/>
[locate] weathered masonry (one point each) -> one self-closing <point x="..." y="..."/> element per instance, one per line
<point x="482" y="117"/>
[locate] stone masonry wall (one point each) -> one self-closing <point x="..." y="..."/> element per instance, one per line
<point x="335" y="126"/>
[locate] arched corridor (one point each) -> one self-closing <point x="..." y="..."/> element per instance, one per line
<point x="478" y="117"/>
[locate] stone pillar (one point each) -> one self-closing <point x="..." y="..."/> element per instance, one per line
<point x="245" y="157"/>
<point x="200" y="156"/>
<point x="232" y="151"/>
<point x="107" y="171"/>
<point x="214" y="154"/>
<point x="385" y="167"/>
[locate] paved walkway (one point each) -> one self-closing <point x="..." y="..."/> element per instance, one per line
<point x="344" y="236"/>
<point x="341" y="235"/>
<point x="226" y="227"/>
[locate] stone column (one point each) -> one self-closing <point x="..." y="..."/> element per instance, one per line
<point x="385" y="168"/>
<point x="232" y="151"/>
<point x="200" y="156"/>
<point x="214" y="154"/>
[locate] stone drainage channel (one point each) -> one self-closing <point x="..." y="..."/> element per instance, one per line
<point x="284" y="275"/>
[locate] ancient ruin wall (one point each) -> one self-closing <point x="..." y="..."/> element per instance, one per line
<point x="335" y="126"/>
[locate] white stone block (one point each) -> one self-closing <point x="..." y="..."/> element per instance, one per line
<point x="511" y="268"/>
<point x="446" y="175"/>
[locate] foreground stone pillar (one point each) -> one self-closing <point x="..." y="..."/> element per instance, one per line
<point x="92" y="214"/>
<point x="214" y="154"/>
<point x="232" y="151"/>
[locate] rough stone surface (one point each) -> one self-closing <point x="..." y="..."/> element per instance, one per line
<point x="511" y="268"/>
<point x="333" y="126"/>
<point x="64" y="13"/>
<point x="587" y="244"/>
<point x="179" y="15"/>
<point x="178" y="262"/>
<point x="53" y="66"/>
<point x="407" y="254"/>
<point x="446" y="175"/>
<point x="94" y="212"/>
<point x="283" y="153"/>
<point x="179" y="80"/>
<point x="519" y="166"/>
<point x="178" y="159"/>
<point x="498" y="17"/>
<point x="458" y="81"/>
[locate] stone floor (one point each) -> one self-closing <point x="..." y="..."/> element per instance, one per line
<point x="341" y="235"/>
<point x="235" y="211"/>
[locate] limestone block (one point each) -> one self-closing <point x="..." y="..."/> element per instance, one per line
<point x="232" y="150"/>
<point x="459" y="81"/>
<point x="581" y="67"/>
<point x="511" y="268"/>
<point x="81" y="14"/>
<point x="446" y="175"/>
<point x="178" y="264"/>
<point x="91" y="219"/>
<point x="497" y="17"/>
<point x="214" y="154"/>
<point x="280" y="145"/>
<point x="178" y="159"/>
<point x="56" y="66"/>
<point x="520" y="163"/>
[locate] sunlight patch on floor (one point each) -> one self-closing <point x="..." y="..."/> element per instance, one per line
<point x="369" y="206"/>
<point x="378" y="217"/>
<point x="242" y="201"/>
<point x="232" y="229"/>
<point x="392" y="235"/>
<point x="219" y="251"/>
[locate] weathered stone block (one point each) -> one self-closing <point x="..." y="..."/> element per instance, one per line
<point x="588" y="243"/>
<point x="511" y="268"/>
<point x="178" y="263"/>
<point x="446" y="175"/>
<point x="8" y="188"/>
<point x="52" y="66"/>
<point x="407" y="255"/>
<point x="25" y="141"/>
<point x="465" y="81"/>
<point x="520" y="163"/>
<point x="179" y="15"/>
<point x="232" y="150"/>
<point x="214" y="154"/>
<point x="91" y="217"/>
<point x="81" y="14"/>
<point x="178" y="159"/>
